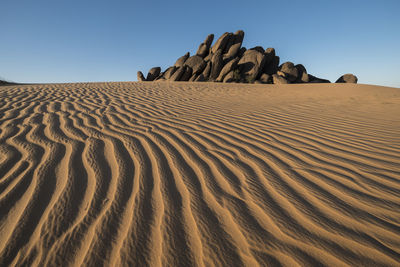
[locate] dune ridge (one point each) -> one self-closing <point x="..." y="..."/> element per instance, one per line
<point x="199" y="174"/>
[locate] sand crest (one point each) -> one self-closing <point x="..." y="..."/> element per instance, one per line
<point x="199" y="174"/>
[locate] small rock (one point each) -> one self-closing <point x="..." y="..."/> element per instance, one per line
<point x="347" y="78"/>
<point x="140" y="76"/>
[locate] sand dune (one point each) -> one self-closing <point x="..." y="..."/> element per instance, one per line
<point x="199" y="174"/>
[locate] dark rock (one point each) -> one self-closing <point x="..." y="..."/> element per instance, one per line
<point x="241" y="52"/>
<point x="180" y="61"/>
<point x="197" y="64"/>
<point x="302" y="74"/>
<point x="207" y="71"/>
<point x="251" y="64"/>
<point x="276" y="79"/>
<point x="178" y="73"/>
<point x="231" y="65"/>
<point x="234" y="45"/>
<point x="272" y="67"/>
<point x="265" y="78"/>
<point x="313" y="79"/>
<point x="230" y="77"/>
<point x="186" y="74"/>
<point x="221" y="42"/>
<point x="168" y="73"/>
<point x="140" y="76"/>
<point x="269" y="55"/>
<point x="216" y="65"/>
<point x="347" y="78"/>
<point x="291" y="72"/>
<point x="193" y="78"/>
<point x="153" y="74"/>
<point x="200" y="78"/>
<point x="204" y="48"/>
<point x="258" y="48"/>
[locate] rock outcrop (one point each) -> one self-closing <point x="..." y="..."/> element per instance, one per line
<point x="227" y="61"/>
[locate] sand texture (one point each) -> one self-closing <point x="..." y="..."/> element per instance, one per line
<point x="199" y="174"/>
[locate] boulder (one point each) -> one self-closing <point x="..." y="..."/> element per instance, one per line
<point x="258" y="48"/>
<point x="231" y="65"/>
<point x="193" y="78"/>
<point x="290" y="71"/>
<point x="269" y="55"/>
<point x="178" y="74"/>
<point x="216" y="65"/>
<point x="265" y="78"/>
<point x="186" y="74"/>
<point x="207" y="71"/>
<point x="313" y="79"/>
<point x="276" y="79"/>
<point x="197" y="64"/>
<point x="204" y="47"/>
<point x="168" y="73"/>
<point x="200" y="78"/>
<point x="302" y="74"/>
<point x="347" y="78"/>
<point x="272" y="67"/>
<point x="153" y="74"/>
<point x="230" y="77"/>
<point x="180" y="61"/>
<point x="140" y="76"/>
<point x="234" y="45"/>
<point x="221" y="42"/>
<point x="241" y="52"/>
<point x="251" y="64"/>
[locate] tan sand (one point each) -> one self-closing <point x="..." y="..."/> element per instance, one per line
<point x="199" y="174"/>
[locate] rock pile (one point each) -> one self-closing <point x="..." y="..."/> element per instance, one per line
<point x="227" y="61"/>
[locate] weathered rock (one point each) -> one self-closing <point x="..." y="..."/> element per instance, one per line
<point x="347" y="78"/>
<point x="221" y="42"/>
<point x="186" y="74"/>
<point x="251" y="64"/>
<point x="140" y="76"/>
<point x="204" y="47"/>
<point x="197" y="64"/>
<point x="193" y="78"/>
<point x="272" y="67"/>
<point x="241" y="52"/>
<point x="276" y="79"/>
<point x="200" y="78"/>
<point x="302" y="74"/>
<point x="269" y="55"/>
<point x="216" y="65"/>
<point x="258" y="48"/>
<point x="231" y="65"/>
<point x="207" y="71"/>
<point x="291" y="72"/>
<point x="168" y="73"/>
<point x="178" y="74"/>
<point x="153" y="73"/>
<point x="234" y="45"/>
<point x="208" y="57"/>
<point x="229" y="78"/>
<point x="265" y="78"/>
<point x="180" y="61"/>
<point x="313" y="79"/>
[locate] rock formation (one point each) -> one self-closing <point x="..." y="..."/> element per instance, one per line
<point x="227" y="61"/>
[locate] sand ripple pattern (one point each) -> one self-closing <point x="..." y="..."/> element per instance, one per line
<point x="186" y="174"/>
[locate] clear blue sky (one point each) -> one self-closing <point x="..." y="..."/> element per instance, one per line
<point x="70" y="41"/>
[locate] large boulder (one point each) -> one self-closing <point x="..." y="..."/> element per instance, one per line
<point x="347" y="78"/>
<point x="197" y="64"/>
<point x="216" y="65"/>
<point x="168" y="73"/>
<point x="234" y="45"/>
<point x="290" y="71"/>
<point x="207" y="71"/>
<point x="302" y="74"/>
<point x="200" y="78"/>
<point x="153" y="74"/>
<point x="178" y="74"/>
<point x="230" y="77"/>
<point x="140" y="76"/>
<point x="221" y="42"/>
<point x="180" y="61"/>
<point x="272" y="67"/>
<point x="186" y="74"/>
<point x="251" y="64"/>
<point x="231" y="65"/>
<point x="276" y="79"/>
<point x="204" y="47"/>
<point x="269" y="55"/>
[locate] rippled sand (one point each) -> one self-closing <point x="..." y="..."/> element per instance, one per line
<point x="199" y="174"/>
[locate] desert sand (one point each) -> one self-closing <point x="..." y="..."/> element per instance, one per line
<point x="199" y="174"/>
